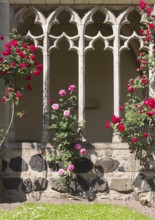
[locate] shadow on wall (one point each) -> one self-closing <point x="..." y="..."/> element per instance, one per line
<point x="23" y="172"/>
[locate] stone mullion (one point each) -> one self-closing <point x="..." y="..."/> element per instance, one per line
<point x="116" y="76"/>
<point x="81" y="76"/>
<point x="46" y="85"/>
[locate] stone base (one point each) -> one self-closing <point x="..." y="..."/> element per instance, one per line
<point x="110" y="172"/>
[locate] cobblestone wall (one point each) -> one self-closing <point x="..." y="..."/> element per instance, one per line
<point x="108" y="171"/>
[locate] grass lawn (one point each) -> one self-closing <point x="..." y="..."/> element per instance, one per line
<point x="71" y="212"/>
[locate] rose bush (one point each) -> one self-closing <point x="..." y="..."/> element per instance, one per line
<point x="137" y="127"/>
<point x="67" y="133"/>
<point x="18" y="66"/>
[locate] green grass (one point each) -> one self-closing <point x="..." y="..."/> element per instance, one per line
<point x="71" y="212"/>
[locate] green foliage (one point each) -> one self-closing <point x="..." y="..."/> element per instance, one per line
<point x="72" y="212"/>
<point x="137" y="125"/>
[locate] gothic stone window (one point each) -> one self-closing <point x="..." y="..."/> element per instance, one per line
<point x="92" y="47"/>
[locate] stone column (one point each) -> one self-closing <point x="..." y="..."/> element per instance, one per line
<point x="81" y="77"/>
<point x="4" y="109"/>
<point x="116" y="70"/>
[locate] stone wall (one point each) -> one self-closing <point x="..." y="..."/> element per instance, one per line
<point x="107" y="171"/>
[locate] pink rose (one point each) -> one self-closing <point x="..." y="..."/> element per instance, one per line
<point x="55" y="106"/>
<point x="77" y="146"/>
<point x="83" y="151"/>
<point x="62" y="92"/>
<point x="18" y="95"/>
<point x="72" y="88"/>
<point x="61" y="172"/>
<point x="66" y="113"/>
<point x="70" y="167"/>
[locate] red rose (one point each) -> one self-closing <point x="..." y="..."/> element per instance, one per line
<point x="32" y="48"/>
<point x="18" y="95"/>
<point x="149" y="10"/>
<point x="22" y="65"/>
<point x="29" y="87"/>
<point x="150" y="114"/>
<point x="107" y="124"/>
<point x="134" y="139"/>
<point x="145" y="134"/>
<point x="14" y="43"/>
<point x="115" y="119"/>
<point x="142" y="4"/>
<point x="22" y="55"/>
<point x="28" y="77"/>
<point x="121" y="127"/>
<point x="151" y="26"/>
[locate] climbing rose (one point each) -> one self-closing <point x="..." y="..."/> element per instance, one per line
<point x="72" y="88"/>
<point x="130" y="89"/>
<point x="18" y="95"/>
<point x="29" y="87"/>
<point x="115" y="119"/>
<point x="51" y="101"/>
<point x="66" y="113"/>
<point x="121" y="127"/>
<point x="61" y="172"/>
<point x="62" y="92"/>
<point x="149" y="10"/>
<point x="32" y="48"/>
<point x="107" y="124"/>
<point x="145" y="134"/>
<point x="134" y="139"/>
<point x="83" y="151"/>
<point x="55" y="106"/>
<point x="151" y="26"/>
<point x="3" y="99"/>
<point x="142" y="4"/>
<point x="77" y="146"/>
<point x="70" y="167"/>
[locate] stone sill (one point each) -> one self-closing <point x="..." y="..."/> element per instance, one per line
<point x="98" y="146"/>
<point x="82" y="2"/>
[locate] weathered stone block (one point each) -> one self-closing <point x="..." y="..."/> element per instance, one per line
<point x="18" y="164"/>
<point x="27" y="186"/>
<point x="79" y="185"/>
<point x="106" y="164"/>
<point x="83" y="165"/>
<point x="99" y="185"/>
<point x="37" y="163"/>
<point x="4" y="165"/>
<point x="59" y="184"/>
<point x="54" y="166"/>
<point x="121" y="184"/>
<point x="144" y="183"/>
<point x="12" y="182"/>
<point x="40" y="184"/>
